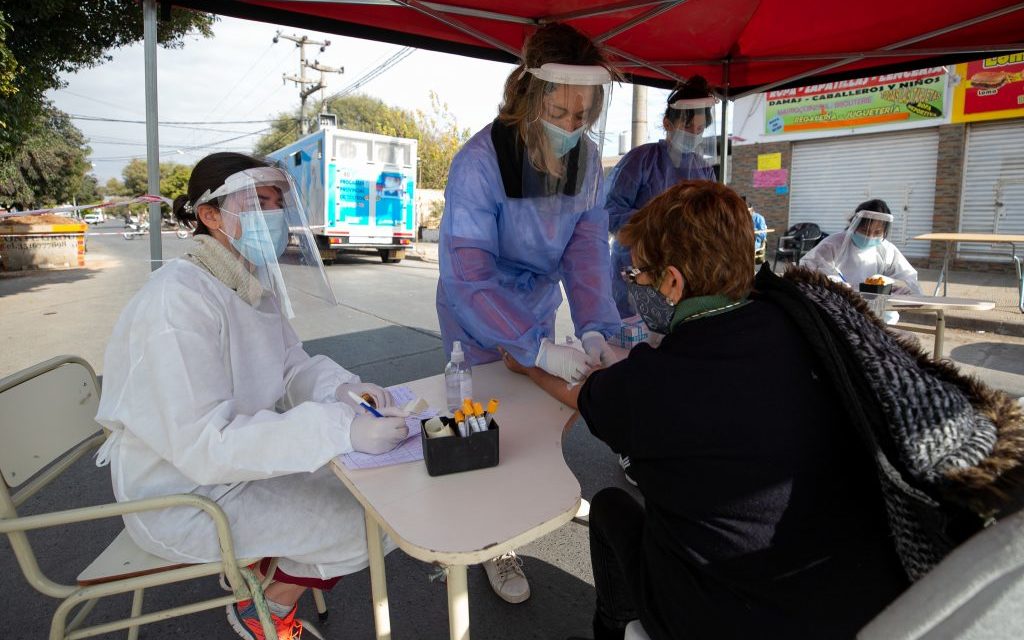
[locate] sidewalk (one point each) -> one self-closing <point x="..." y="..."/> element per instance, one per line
<point x="1001" y="288"/>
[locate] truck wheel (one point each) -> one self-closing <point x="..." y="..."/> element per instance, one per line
<point x="328" y="256"/>
<point x="391" y="256"/>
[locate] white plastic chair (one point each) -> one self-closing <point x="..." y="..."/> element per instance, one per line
<point x="635" y="631"/>
<point x="47" y="424"/>
<point x="975" y="593"/>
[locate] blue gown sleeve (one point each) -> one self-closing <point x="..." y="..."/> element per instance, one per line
<point x="491" y="314"/>
<point x="584" y="267"/>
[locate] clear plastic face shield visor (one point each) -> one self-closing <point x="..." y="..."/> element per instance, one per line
<point x="866" y="231"/>
<point x="263" y="219"/>
<point x="565" y="140"/>
<point x="692" y="140"/>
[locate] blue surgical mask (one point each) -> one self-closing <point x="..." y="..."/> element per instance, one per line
<point x="257" y="244"/>
<point x="652" y="306"/>
<point x="864" y="242"/>
<point x="562" y="141"/>
<point x="683" y="141"/>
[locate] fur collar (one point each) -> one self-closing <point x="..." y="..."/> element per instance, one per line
<point x="990" y="486"/>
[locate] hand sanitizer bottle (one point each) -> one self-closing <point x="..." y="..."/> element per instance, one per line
<point x="458" y="378"/>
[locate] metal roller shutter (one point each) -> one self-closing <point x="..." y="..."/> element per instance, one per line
<point x="831" y="177"/>
<point x="993" y="189"/>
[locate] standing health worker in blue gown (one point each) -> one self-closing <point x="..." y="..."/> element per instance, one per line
<point x="649" y="169"/>
<point x="523" y="213"/>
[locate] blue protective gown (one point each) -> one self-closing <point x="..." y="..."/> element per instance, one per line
<point x="641" y="175"/>
<point x="501" y="260"/>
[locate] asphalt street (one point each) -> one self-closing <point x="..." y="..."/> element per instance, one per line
<point x="385" y="329"/>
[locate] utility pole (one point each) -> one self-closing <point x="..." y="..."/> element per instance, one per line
<point x="301" y="80"/>
<point x="639" y="115"/>
<point x="316" y="66"/>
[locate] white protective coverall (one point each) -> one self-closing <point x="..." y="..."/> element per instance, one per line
<point x="207" y="394"/>
<point x="858" y="264"/>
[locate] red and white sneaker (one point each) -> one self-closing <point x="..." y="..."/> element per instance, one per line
<point x="245" y="622"/>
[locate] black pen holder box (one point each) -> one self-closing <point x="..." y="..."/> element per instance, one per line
<point x="453" y="454"/>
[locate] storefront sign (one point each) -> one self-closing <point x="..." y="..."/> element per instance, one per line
<point x="990" y="89"/>
<point x="892" y="98"/>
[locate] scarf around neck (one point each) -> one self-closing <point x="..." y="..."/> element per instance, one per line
<point x="212" y="256"/>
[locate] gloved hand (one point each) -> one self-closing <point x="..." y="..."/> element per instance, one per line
<point x="370" y="434"/>
<point x="568" y="363"/>
<point x="381" y="397"/>
<point x="598" y="352"/>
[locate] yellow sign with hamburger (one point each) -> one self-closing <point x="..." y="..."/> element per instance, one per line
<point x="990" y="89"/>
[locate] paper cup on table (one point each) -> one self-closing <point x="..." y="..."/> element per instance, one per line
<point x="435" y="428"/>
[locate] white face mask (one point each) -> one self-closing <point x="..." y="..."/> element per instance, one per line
<point x="683" y="141"/>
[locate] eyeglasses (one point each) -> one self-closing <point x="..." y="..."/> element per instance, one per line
<point x="631" y="273"/>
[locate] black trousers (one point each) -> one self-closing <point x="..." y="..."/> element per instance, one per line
<point x="616" y="534"/>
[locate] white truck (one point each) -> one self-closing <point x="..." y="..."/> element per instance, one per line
<point x="357" y="188"/>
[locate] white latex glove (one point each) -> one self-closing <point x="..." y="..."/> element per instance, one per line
<point x="598" y="351"/>
<point x="380" y="395"/>
<point x="568" y="363"/>
<point x="370" y="434"/>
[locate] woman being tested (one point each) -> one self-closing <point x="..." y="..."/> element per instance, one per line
<point x="773" y="529"/>
<point x="647" y="170"/>
<point x="208" y="390"/>
<point x="522" y="216"/>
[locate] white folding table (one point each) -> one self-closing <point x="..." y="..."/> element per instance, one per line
<point x="935" y="304"/>
<point x="467" y="518"/>
<point x="988" y="238"/>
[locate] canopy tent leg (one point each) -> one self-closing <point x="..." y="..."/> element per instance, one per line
<point x="723" y="144"/>
<point x="149" y="10"/>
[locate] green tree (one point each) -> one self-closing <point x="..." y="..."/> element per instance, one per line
<point x="113" y="187"/>
<point x="440" y="139"/>
<point x="8" y="65"/>
<point x="44" y="39"/>
<point x="135" y="178"/>
<point x="49" y="168"/>
<point x="174" y="179"/>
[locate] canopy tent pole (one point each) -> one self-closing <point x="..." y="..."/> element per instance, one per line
<point x="723" y="163"/>
<point x="152" y="133"/>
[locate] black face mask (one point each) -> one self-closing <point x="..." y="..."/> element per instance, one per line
<point x="652" y="306"/>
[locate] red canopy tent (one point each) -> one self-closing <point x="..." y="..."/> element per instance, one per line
<point x="740" y="46"/>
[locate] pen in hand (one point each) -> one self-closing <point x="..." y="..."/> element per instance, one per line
<point x="364" y="404"/>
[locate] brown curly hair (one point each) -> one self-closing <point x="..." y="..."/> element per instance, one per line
<point x="702" y="228"/>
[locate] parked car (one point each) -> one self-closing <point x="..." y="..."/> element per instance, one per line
<point x="93" y="218"/>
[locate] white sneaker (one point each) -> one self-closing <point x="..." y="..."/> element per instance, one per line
<point x="507" y="577"/>
<point x="624" y="463"/>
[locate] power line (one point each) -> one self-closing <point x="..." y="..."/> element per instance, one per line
<point x="397" y="57"/>
<point x="75" y="116"/>
<point x="239" y="81"/>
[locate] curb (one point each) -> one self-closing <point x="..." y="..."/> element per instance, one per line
<point x="966" y="323"/>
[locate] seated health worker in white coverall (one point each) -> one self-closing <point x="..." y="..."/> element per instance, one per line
<point x="862" y="250"/>
<point x="207" y="390"/>
<point x="523" y="215"/>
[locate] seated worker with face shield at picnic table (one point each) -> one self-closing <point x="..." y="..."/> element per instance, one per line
<point x="207" y="390"/>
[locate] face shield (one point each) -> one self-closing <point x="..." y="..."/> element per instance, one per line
<point x="692" y="143"/>
<point x="565" y="140"/>
<point x="263" y="219"/>
<point x="867" y="229"/>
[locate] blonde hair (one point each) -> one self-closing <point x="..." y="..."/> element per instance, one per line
<point x="702" y="228"/>
<point x="523" y="98"/>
